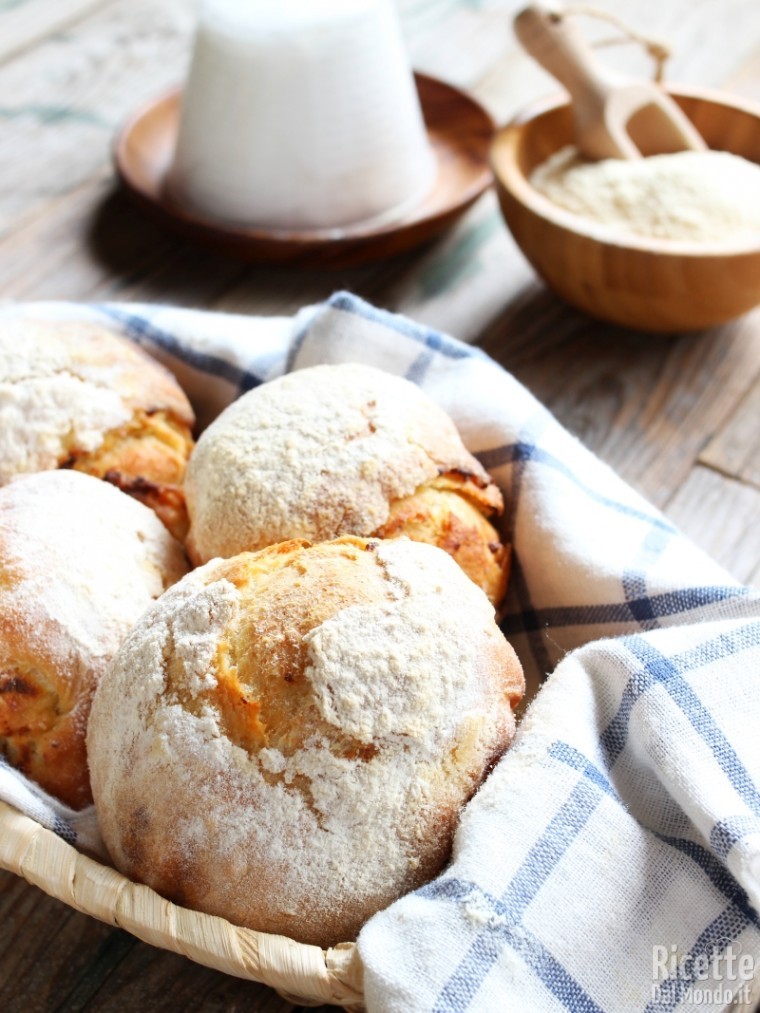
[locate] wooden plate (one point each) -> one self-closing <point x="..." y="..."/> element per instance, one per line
<point x="460" y="132"/>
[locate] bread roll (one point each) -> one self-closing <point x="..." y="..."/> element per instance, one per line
<point x="79" y="562"/>
<point x="287" y="737"/>
<point x="75" y="395"/>
<point x="342" y="450"/>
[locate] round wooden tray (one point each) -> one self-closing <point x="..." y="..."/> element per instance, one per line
<point x="460" y="132"/>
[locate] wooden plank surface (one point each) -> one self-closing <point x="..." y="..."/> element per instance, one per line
<point x="62" y="101"/>
<point x="721" y="515"/>
<point x="53" y="958"/>
<point x="733" y="447"/>
<point x="23" y="23"/>
<point x="679" y="417"/>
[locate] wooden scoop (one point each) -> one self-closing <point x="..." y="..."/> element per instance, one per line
<point x="615" y="117"/>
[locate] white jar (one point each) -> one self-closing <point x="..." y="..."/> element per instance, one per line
<point x="300" y="114"/>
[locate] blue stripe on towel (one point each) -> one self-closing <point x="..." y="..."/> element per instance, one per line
<point x="717" y="936"/>
<point x="509" y="453"/>
<point x="728" y="832"/>
<point x="718" y="875"/>
<point x="669" y="603"/>
<point x="143" y="331"/>
<point x="520" y="588"/>
<point x="539" y="863"/>
<point x="434" y="340"/>
<point x="556" y="978"/>
<point x="505" y="928"/>
<point x="669" y="673"/>
<point x="462" y="987"/>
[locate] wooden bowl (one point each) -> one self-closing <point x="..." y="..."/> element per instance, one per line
<point x="648" y="284"/>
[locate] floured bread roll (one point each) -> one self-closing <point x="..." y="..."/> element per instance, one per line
<point x="79" y="562"/>
<point x="75" y="395"/>
<point x="287" y="737"/>
<point x="342" y="450"/>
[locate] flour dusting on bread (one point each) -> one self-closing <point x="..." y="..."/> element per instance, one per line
<point x="79" y="563"/>
<point x="297" y="730"/>
<point x="316" y="454"/>
<point x="385" y="670"/>
<point x="64" y="386"/>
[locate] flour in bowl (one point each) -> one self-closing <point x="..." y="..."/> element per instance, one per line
<point x="705" y="196"/>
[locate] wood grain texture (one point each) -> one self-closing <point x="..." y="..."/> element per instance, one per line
<point x="95" y="243"/>
<point x="721" y="516"/>
<point x="645" y="404"/>
<point x="733" y="448"/>
<point x="707" y="49"/>
<point x="24" y="23"/>
<point x="62" y="101"/>
<point x="640" y="282"/>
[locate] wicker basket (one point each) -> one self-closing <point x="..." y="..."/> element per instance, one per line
<point x="302" y="974"/>
<point x="305" y="975"/>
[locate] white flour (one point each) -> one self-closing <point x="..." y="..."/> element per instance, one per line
<point x="301" y="832"/>
<point x="694" y="195"/>
<point x="65" y="385"/>
<point x="80" y="562"/>
<point x="316" y="454"/>
<point x="415" y="690"/>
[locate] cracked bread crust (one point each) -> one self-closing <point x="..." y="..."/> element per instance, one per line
<point x="146" y="458"/>
<point x="75" y="395"/>
<point x="287" y="737"/>
<point x="79" y="562"/>
<point x="331" y="451"/>
<point x="449" y="512"/>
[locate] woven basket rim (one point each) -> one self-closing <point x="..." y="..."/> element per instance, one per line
<point x="301" y="973"/>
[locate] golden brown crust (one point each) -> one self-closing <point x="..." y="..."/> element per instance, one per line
<point x="341" y="450"/>
<point x="286" y="739"/>
<point x="448" y="512"/>
<point x="76" y="395"/>
<point x="155" y="446"/>
<point x="146" y="458"/>
<point x="79" y="562"/>
<point x="166" y="501"/>
<point x="42" y="735"/>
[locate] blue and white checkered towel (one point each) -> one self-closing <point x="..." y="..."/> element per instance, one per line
<point x="612" y="860"/>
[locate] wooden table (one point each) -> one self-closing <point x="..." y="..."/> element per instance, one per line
<point x="678" y="417"/>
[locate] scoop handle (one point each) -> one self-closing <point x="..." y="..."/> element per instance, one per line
<point x="562" y="50"/>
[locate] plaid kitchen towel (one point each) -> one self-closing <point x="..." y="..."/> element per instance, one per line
<point x="611" y="862"/>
